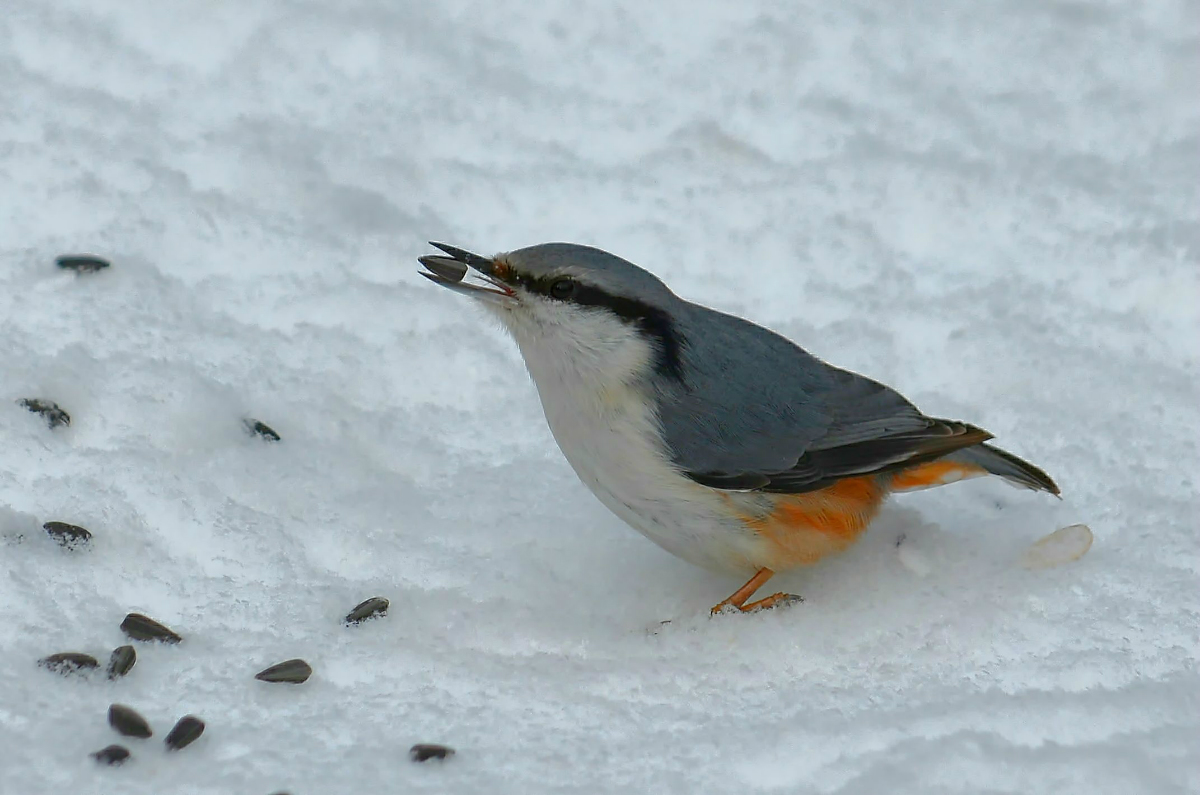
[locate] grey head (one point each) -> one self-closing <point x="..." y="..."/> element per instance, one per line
<point x="533" y="270"/>
<point x="585" y="295"/>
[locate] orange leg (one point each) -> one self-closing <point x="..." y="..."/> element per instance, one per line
<point x="739" y="597"/>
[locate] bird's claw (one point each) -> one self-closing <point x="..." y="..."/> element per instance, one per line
<point x="773" y="601"/>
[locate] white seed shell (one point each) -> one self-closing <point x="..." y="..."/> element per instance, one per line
<point x="1062" y="546"/>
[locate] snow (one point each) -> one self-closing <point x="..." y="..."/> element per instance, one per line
<point x="991" y="206"/>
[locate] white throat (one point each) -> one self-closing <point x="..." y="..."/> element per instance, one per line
<point x="568" y="347"/>
<point x="591" y="371"/>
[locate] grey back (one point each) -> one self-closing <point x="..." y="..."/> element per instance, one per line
<point x="752" y="401"/>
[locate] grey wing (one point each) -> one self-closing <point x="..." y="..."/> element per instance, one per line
<point x="756" y="412"/>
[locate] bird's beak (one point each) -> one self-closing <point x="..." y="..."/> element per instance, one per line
<point x="449" y="272"/>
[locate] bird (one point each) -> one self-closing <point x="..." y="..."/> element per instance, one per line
<point x="723" y="442"/>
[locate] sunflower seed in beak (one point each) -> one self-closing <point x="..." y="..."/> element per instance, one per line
<point x="444" y="267"/>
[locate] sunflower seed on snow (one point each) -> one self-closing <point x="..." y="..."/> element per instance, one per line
<point x="81" y="263"/>
<point x="291" y="671"/>
<point x="112" y="755"/>
<point x="127" y="721"/>
<point x="122" y="659"/>
<point x="69" y="535"/>
<point x="422" y="752"/>
<point x="139" y="627"/>
<point x="69" y="662"/>
<point x="49" y="410"/>
<point x="185" y="732"/>
<point x="375" y="606"/>
<point x="253" y="426"/>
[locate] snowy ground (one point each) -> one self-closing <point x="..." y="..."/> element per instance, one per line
<point x="992" y="206"/>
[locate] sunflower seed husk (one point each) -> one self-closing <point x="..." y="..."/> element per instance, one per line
<point x="253" y="426"/>
<point x="1062" y="546"/>
<point x="82" y="263"/>
<point x="127" y="721"/>
<point x="69" y="662"/>
<point x="375" y="606"/>
<point x="49" y="410"/>
<point x="112" y="755"/>
<point x="291" y="671"/>
<point x="422" y="752"/>
<point x="444" y="267"/>
<point x="185" y="732"/>
<point x="121" y="660"/>
<point x="139" y="627"/>
<point x="68" y="535"/>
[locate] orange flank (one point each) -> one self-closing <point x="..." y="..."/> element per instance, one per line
<point x="800" y="529"/>
<point x="935" y="473"/>
<point x="803" y="528"/>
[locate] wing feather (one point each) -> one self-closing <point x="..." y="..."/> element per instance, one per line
<point x="756" y="412"/>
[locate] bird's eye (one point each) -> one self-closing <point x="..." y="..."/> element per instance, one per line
<point x="562" y="289"/>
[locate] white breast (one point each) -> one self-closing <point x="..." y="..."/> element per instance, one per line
<point x="604" y="423"/>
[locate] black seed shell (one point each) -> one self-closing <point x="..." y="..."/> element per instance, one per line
<point x="68" y="535"/>
<point x="112" y="755"/>
<point x="121" y="660"/>
<point x="82" y="263"/>
<point x="185" y="732"/>
<point x="69" y="662"/>
<point x="291" y="671"/>
<point x="422" y="752"/>
<point x="49" y="410"/>
<point x="253" y="426"/>
<point x="127" y="721"/>
<point x="140" y="627"/>
<point x="375" y="606"/>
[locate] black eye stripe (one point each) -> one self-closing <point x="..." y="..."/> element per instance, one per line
<point x="652" y="321"/>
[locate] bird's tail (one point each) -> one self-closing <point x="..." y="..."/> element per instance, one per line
<point x="972" y="462"/>
<point x="1005" y="465"/>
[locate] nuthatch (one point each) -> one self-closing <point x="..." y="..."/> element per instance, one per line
<point x="721" y="441"/>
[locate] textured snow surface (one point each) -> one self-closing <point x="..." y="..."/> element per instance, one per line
<point x="991" y="206"/>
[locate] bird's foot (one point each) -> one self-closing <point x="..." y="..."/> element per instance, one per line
<point x="738" y="601"/>
<point x="775" y="600"/>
